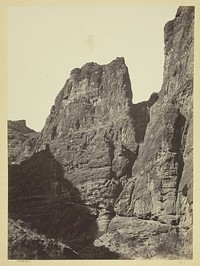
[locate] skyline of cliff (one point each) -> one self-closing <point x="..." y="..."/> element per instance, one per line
<point x="106" y="177"/>
<point x="43" y="51"/>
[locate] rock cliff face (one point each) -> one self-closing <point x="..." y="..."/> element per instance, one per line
<point x="161" y="184"/>
<point x="93" y="132"/>
<point x="101" y="161"/>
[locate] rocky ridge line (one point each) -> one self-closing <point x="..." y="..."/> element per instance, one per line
<point x="91" y="131"/>
<point x="104" y="159"/>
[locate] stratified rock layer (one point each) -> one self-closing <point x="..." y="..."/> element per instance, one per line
<point x="101" y="162"/>
<point x="91" y="133"/>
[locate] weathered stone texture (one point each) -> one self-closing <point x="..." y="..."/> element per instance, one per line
<point x="99" y="156"/>
<point x="161" y="184"/>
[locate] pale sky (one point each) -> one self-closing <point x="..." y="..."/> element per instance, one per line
<point x="45" y="44"/>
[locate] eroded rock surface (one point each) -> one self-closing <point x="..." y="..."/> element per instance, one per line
<point x="161" y="184"/>
<point x="91" y="132"/>
<point x="101" y="163"/>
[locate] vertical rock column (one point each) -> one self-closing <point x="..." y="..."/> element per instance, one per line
<point x="161" y="184"/>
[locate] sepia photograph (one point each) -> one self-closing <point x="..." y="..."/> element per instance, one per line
<point x="100" y="131"/>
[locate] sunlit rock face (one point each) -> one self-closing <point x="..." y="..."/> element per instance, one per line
<point x="161" y="184"/>
<point x="91" y="131"/>
<point x="103" y="167"/>
<point x="90" y="139"/>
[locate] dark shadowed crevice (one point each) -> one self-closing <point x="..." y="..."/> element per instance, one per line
<point x="141" y="116"/>
<point x="177" y="146"/>
<point x="53" y="134"/>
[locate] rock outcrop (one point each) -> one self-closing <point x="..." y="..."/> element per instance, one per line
<point x="20" y="138"/>
<point x="101" y="162"/>
<point x="91" y="132"/>
<point x="161" y="184"/>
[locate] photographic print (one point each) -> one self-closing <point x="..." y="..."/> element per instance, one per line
<point x="100" y="132"/>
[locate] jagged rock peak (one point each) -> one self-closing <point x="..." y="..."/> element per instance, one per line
<point x="103" y="166"/>
<point x="94" y="94"/>
<point x="92" y="65"/>
<point x="183" y="19"/>
<point x="95" y="73"/>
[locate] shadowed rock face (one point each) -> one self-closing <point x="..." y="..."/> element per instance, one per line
<point x="24" y="243"/>
<point x="101" y="160"/>
<point x="52" y="204"/>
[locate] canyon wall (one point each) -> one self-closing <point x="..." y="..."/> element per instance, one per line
<point x="102" y="162"/>
<point x="161" y="184"/>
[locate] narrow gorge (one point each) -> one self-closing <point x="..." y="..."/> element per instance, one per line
<point x="106" y="178"/>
